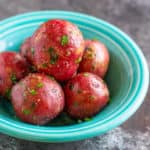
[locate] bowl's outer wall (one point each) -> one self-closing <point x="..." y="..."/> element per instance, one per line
<point x="127" y="77"/>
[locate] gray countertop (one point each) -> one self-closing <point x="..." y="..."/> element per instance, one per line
<point x="133" y="17"/>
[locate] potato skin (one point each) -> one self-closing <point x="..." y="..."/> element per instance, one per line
<point x="95" y="58"/>
<point x="58" y="48"/>
<point x="86" y="94"/>
<point x="37" y="99"/>
<point x="13" y="67"/>
<point x="26" y="51"/>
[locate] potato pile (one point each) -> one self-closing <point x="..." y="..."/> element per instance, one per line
<point x="55" y="71"/>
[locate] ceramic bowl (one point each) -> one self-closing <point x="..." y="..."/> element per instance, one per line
<point x="127" y="78"/>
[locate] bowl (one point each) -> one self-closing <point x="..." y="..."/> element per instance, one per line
<point x="127" y="78"/>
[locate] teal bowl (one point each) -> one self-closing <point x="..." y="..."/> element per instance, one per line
<point x="127" y="78"/>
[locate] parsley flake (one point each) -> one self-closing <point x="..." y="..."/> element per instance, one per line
<point x="71" y="86"/>
<point x="26" y="111"/>
<point x="33" y="68"/>
<point x="45" y="65"/>
<point x="32" y="51"/>
<point x="64" y="40"/>
<point x="13" y="78"/>
<point x="40" y="84"/>
<point x="52" y="78"/>
<point x="92" y="97"/>
<point x="87" y="119"/>
<point x="32" y="91"/>
<point x="8" y="93"/>
<point x="53" y="55"/>
<point x="77" y="61"/>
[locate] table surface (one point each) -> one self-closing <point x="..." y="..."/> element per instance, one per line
<point x="133" y="17"/>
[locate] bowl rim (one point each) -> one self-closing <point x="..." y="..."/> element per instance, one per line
<point x="63" y="134"/>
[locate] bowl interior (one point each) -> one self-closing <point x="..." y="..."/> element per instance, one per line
<point x="119" y="76"/>
<point x="125" y="76"/>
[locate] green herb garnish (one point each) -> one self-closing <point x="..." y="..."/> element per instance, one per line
<point x="53" y="55"/>
<point x="88" y="49"/>
<point x="32" y="51"/>
<point x="64" y="40"/>
<point x="45" y="65"/>
<point x="52" y="78"/>
<point x="26" y="111"/>
<point x="8" y="93"/>
<point x="71" y="86"/>
<point x="40" y="84"/>
<point x="78" y="60"/>
<point x="61" y="120"/>
<point x="87" y="119"/>
<point x="33" y="105"/>
<point x="33" y="68"/>
<point x="32" y="91"/>
<point x="13" y="78"/>
<point x="90" y="55"/>
<point x="92" y="97"/>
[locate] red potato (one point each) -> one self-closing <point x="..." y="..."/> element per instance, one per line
<point x="95" y="58"/>
<point x="57" y="47"/>
<point x="86" y="94"/>
<point x="28" y="54"/>
<point x="26" y="51"/>
<point x="13" y="67"/>
<point x="37" y="99"/>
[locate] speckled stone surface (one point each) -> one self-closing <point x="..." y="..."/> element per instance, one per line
<point x="133" y="17"/>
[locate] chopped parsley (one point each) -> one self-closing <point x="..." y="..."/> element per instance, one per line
<point x="32" y="91"/>
<point x="64" y="40"/>
<point x="53" y="55"/>
<point x="45" y="65"/>
<point x="33" y="68"/>
<point x="26" y="111"/>
<point x="8" y="93"/>
<point x="40" y="84"/>
<point x="52" y="78"/>
<point x="32" y="51"/>
<point x="13" y="78"/>
<point x="71" y="86"/>
<point x="77" y="61"/>
<point x="90" y="55"/>
<point x="88" y="49"/>
<point x="33" y="105"/>
<point x="92" y="97"/>
<point x="87" y="119"/>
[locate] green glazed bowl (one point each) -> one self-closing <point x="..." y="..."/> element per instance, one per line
<point x="127" y="78"/>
